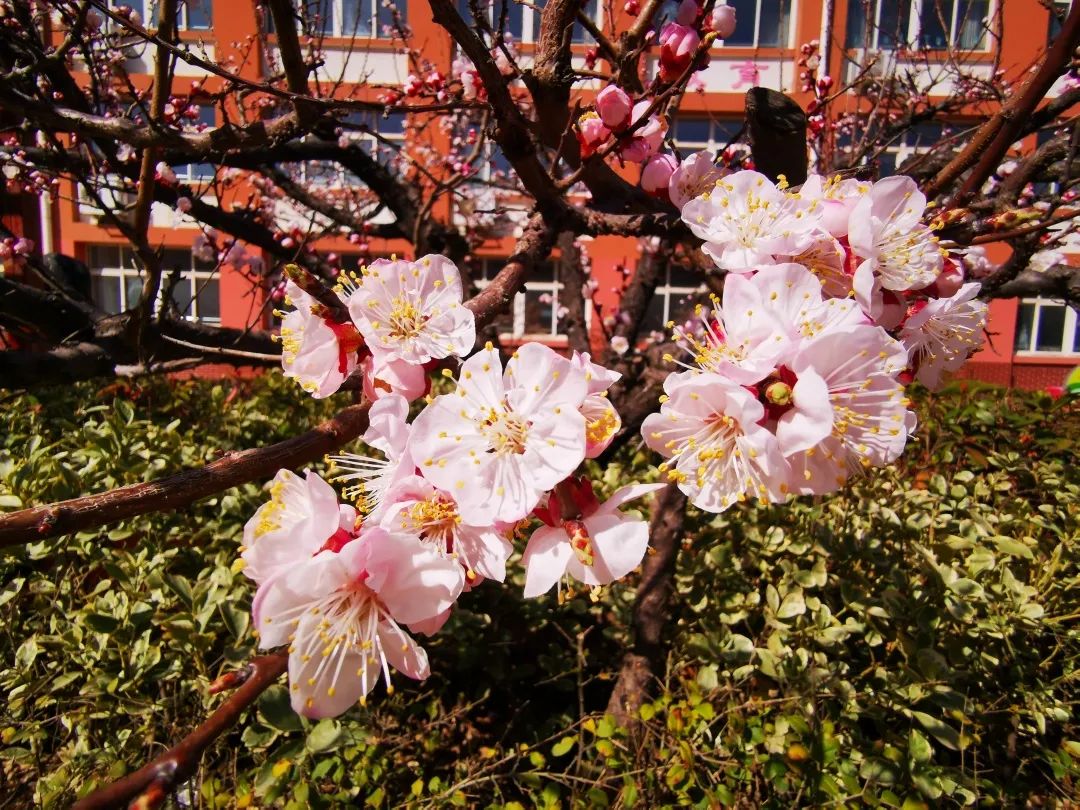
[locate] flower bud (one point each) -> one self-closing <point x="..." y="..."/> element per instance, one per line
<point x="656" y="174"/>
<point x="677" y="46"/>
<point x="613" y="106"/>
<point x="722" y="21"/>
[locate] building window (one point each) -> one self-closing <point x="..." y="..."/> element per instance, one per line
<point x="918" y="140"/>
<point x="676" y="296"/>
<point x="192" y="173"/>
<point x="1047" y="326"/>
<point x="379" y="136"/>
<point x="937" y="24"/>
<point x="347" y="18"/>
<point x="713" y="134"/>
<point x="523" y="20"/>
<point x="535" y="311"/>
<point x="760" y="23"/>
<point x="117" y="282"/>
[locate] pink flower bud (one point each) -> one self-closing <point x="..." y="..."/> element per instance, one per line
<point x="183" y="204"/>
<point x="632" y="8"/>
<point x="23" y="247"/>
<point x="677" y="46"/>
<point x="722" y="21"/>
<point x="591" y="133"/>
<point x="613" y="106"/>
<point x="656" y="174"/>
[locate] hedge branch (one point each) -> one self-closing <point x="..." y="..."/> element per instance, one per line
<point x="157" y="778"/>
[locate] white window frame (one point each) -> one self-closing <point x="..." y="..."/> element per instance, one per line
<point x="337" y="27"/>
<point x="186" y="172"/>
<point x="670" y="292"/>
<point x="1068" y="330"/>
<point x="554" y="288"/>
<point x="127" y="269"/>
<point x="340" y="178"/>
<point x="914" y="27"/>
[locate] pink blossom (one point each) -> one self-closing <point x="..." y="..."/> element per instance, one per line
<point x="722" y="21"/>
<point x="503" y="439"/>
<point x="23" y="247"/>
<point x="414" y="506"/>
<point x="340" y="615"/>
<point x="886" y="226"/>
<point x="837" y="199"/>
<point x="164" y="173"/>
<point x="412" y="311"/>
<point x="709" y="430"/>
<point x="316" y="351"/>
<point x="943" y="332"/>
<point x="677" y="46"/>
<point x="183" y="204"/>
<point x="687" y="12"/>
<point x="747" y="221"/>
<point x="301" y="516"/>
<point x="613" y="106"/>
<point x="620" y="345"/>
<point x="646" y="139"/>
<point x="388" y="432"/>
<point x="591" y="133"/>
<point x="601" y="546"/>
<point x="656" y="174"/>
<point x="602" y="421"/>
<point x="693" y="177"/>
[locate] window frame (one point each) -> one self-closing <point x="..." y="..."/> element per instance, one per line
<point x="787" y="38"/>
<point x="713" y="144"/>
<point x="530" y="22"/>
<point x="337" y="29"/>
<point x="914" y="33"/>
<point x="671" y="292"/>
<point x="518" y="309"/>
<point x="196" y="278"/>
<point x="1069" y="329"/>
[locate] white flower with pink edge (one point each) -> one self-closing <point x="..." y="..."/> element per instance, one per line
<point x="316" y="351"/>
<point x="943" y="332"/>
<point x="502" y="439"/>
<point x="596" y="548"/>
<point x="340" y="612"/>
<point x="745" y="221"/>
<point x="412" y="311"/>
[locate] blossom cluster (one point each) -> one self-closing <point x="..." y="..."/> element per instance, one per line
<point x="435" y="506"/>
<point x="835" y="295"/>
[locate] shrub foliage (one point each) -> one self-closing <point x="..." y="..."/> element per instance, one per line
<point x="908" y="642"/>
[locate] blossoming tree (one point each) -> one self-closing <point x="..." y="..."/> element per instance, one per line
<point x="831" y="290"/>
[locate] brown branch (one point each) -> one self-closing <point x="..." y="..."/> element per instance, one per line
<point x="994" y="138"/>
<point x="157" y="778"/>
<point x="572" y="280"/>
<point x="643" y="664"/>
<point x="183" y="488"/>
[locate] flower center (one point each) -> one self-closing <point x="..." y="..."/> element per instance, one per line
<point x="406" y="321"/>
<point x="580" y="541"/>
<point x="505" y="432"/>
<point x="435" y="519"/>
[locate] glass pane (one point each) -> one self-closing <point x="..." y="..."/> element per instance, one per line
<point x="199" y="14"/>
<point x="654" y="316"/>
<point x="893" y="23"/>
<point x="106" y="293"/>
<point x="103" y="256"/>
<point x="544" y="272"/>
<point x="745" y="14"/>
<point x="385" y="22"/>
<point x="209" y="303"/>
<point x="319" y="17"/>
<point x="592" y="9"/>
<point x="684" y="277"/>
<point x="887" y="164"/>
<point x="132" y="289"/>
<point x="1024" y="321"/>
<point x="934" y="23"/>
<point x="540" y="312"/>
<point x="1076" y="337"/>
<point x="1051" y="334"/>
<point x="725" y="131"/>
<point x="691" y="131"/>
<point x="356" y="18"/>
<point x="391" y="126"/>
<point x="856" y="34"/>
<point x="774" y="23"/>
<point x="970" y="22"/>
<point x="175" y="259"/>
<point x="181" y="295"/>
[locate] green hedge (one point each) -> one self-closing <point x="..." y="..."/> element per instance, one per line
<point x="909" y="642"/>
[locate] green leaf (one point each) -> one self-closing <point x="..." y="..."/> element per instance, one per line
<point x="563" y="746"/>
<point x="919" y="748"/>
<point x="276" y="710"/>
<point x="793" y="605"/>
<point x="325" y="736"/>
<point x="941" y="731"/>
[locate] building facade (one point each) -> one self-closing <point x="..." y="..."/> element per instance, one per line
<point x="1030" y="343"/>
